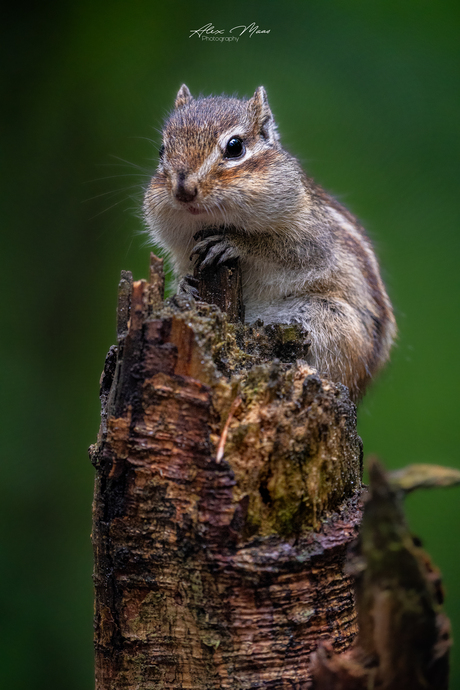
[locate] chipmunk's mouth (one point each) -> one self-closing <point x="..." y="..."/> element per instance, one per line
<point x="195" y="210"/>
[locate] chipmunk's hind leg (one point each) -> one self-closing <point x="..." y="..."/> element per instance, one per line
<point x="339" y="342"/>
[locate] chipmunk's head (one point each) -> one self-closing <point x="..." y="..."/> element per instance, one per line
<point x="219" y="160"/>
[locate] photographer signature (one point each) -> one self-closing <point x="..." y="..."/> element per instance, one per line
<point x="209" y="29"/>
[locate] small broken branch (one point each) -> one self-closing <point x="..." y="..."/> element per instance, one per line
<point x="221" y="285"/>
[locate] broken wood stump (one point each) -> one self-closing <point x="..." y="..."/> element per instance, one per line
<point x="228" y="482"/>
<point x="404" y="635"/>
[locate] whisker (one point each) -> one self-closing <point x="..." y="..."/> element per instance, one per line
<point x="151" y="141"/>
<point x="105" y="210"/>
<point x="132" y="165"/>
<point x="110" y="193"/>
<point x="111" y="177"/>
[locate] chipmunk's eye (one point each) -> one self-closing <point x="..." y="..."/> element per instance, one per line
<point x="161" y="152"/>
<point x="234" y="148"/>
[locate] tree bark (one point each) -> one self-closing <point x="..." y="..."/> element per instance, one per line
<point x="227" y="491"/>
<point x="223" y="286"/>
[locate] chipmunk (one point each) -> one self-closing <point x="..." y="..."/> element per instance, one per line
<point x="305" y="259"/>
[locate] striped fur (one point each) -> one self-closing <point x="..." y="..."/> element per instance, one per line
<point x="304" y="257"/>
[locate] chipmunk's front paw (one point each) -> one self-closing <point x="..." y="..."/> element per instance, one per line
<point x="188" y="286"/>
<point x="214" y="250"/>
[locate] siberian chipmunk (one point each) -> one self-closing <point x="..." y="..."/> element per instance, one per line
<point x="304" y="258"/>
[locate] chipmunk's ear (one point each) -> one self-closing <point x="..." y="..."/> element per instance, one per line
<point x="263" y="117"/>
<point x="183" y="97"/>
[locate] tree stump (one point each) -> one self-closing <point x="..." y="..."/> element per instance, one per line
<point x="227" y="492"/>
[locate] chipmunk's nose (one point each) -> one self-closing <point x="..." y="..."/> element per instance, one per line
<point x="185" y="190"/>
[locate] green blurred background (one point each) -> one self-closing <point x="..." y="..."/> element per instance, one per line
<point x="365" y="93"/>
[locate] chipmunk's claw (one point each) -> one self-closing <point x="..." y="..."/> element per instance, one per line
<point x="214" y="250"/>
<point x="188" y="286"/>
<point x="230" y="253"/>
